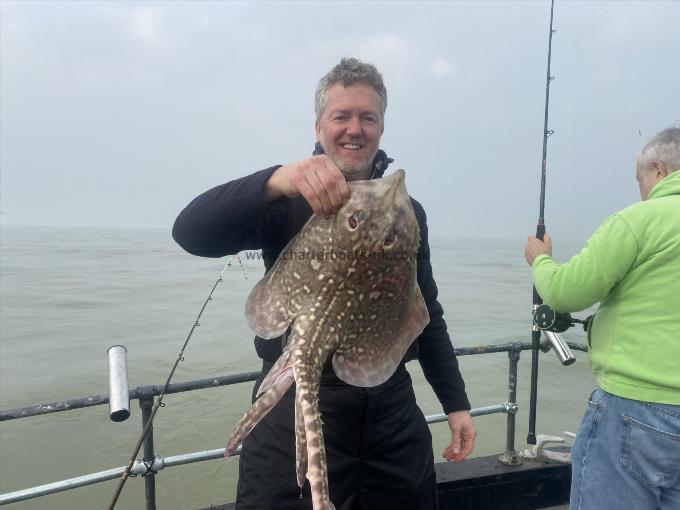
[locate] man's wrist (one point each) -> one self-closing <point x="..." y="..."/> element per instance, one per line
<point x="272" y="187"/>
<point x="540" y="257"/>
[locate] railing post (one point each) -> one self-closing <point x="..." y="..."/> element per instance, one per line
<point x="510" y="457"/>
<point x="146" y="403"/>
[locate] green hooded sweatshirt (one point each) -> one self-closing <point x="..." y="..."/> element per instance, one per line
<point x="631" y="266"/>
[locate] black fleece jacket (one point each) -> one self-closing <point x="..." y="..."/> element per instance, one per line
<point x="235" y="216"/>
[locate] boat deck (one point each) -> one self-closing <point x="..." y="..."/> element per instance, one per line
<point x="483" y="483"/>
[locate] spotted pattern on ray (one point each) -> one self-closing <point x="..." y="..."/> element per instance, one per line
<point x="346" y="286"/>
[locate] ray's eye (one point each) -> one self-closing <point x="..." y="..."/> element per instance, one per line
<point x="353" y="220"/>
<point x="390" y="239"/>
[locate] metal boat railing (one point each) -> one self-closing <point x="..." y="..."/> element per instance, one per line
<point x="151" y="464"/>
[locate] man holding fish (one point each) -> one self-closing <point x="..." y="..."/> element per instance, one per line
<point x="378" y="448"/>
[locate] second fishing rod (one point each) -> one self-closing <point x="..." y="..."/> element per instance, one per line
<point x="544" y="327"/>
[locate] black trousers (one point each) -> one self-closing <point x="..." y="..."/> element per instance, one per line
<point x="378" y="446"/>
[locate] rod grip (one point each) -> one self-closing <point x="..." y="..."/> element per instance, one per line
<point x="540" y="230"/>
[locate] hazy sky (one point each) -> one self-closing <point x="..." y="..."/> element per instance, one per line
<point x="119" y="113"/>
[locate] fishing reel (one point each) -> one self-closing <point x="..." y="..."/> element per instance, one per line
<point x="547" y="319"/>
<point x="551" y="323"/>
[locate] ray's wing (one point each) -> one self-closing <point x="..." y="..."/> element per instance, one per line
<point x="265" y="308"/>
<point x="369" y="359"/>
<point x="268" y="311"/>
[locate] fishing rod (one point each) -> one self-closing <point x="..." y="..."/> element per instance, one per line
<point x="159" y="402"/>
<point x="558" y="345"/>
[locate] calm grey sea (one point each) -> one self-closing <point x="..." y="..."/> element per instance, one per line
<point x="67" y="294"/>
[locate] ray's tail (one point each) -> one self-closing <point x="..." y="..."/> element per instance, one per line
<point x="300" y="444"/>
<point x="316" y="452"/>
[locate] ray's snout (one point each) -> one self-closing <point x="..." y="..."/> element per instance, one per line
<point x="392" y="191"/>
<point x="397" y="183"/>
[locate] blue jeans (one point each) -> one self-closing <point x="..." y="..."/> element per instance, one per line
<point x="626" y="455"/>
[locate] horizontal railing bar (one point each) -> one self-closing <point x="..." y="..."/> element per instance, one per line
<point x="174" y="460"/>
<point x="214" y="382"/>
<point x="189" y="458"/>
<point x="490" y="349"/>
<point x="517" y="346"/>
<point x="578" y="347"/>
<point x="64" y="485"/>
<point x="479" y="411"/>
<point x="136" y="393"/>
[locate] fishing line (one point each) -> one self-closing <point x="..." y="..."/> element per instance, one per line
<point x="243" y="269"/>
<point x="159" y="402"/>
<point x="540" y="232"/>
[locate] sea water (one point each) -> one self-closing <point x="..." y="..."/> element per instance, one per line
<point x="68" y="294"/>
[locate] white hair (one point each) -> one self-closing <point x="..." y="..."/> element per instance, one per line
<point x="663" y="147"/>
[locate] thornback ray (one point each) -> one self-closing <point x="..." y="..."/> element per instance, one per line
<point x="345" y="286"/>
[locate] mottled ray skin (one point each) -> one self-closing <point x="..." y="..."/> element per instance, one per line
<point x="347" y="286"/>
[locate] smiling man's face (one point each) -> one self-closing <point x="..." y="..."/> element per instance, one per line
<point x="350" y="128"/>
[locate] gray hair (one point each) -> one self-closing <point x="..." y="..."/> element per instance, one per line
<point x="663" y="147"/>
<point x="348" y="72"/>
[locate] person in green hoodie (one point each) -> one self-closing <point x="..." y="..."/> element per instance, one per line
<point x="627" y="449"/>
